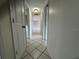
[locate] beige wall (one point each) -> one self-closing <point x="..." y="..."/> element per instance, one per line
<point x="63" y="33"/>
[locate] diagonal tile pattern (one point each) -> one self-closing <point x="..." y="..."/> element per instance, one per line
<point x="36" y="49"/>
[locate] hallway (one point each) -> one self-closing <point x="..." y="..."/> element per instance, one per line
<point x="39" y="29"/>
<point x="36" y="48"/>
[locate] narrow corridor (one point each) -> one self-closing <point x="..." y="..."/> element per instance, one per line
<point x="39" y="29"/>
<point x="36" y="49"/>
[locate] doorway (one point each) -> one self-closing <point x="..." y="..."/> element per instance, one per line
<point x="37" y="44"/>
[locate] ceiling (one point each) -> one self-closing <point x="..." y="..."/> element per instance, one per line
<point x="37" y="3"/>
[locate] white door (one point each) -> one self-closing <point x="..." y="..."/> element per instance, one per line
<point x="14" y="28"/>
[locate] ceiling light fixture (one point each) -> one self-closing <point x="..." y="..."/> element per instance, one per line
<point x="36" y="11"/>
<point x="36" y="8"/>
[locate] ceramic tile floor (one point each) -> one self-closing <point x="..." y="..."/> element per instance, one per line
<point x="36" y="49"/>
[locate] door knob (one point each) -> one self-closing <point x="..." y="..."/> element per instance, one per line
<point x="23" y="26"/>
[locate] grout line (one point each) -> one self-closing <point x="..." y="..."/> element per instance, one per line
<point x="31" y="51"/>
<point x="47" y="55"/>
<point x="40" y="50"/>
<point x="41" y="54"/>
<point x="44" y="53"/>
<point x="35" y="49"/>
<point x="29" y="54"/>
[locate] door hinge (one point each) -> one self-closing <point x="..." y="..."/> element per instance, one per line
<point x="13" y="20"/>
<point x="16" y="52"/>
